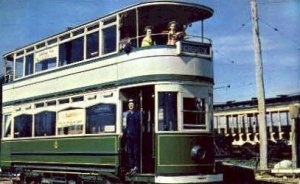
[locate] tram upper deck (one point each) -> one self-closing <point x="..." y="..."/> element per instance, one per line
<point x="90" y="56"/>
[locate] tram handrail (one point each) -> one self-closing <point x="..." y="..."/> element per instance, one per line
<point x="203" y="40"/>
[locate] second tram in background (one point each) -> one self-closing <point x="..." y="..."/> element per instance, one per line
<point x="64" y="96"/>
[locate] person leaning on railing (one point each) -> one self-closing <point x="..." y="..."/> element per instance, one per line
<point x="147" y="40"/>
<point x="173" y="35"/>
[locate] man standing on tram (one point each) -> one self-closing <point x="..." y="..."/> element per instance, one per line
<point x="131" y="134"/>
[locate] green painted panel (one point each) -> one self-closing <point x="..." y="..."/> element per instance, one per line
<point x="100" y="150"/>
<point x="173" y="154"/>
<point x="5" y="154"/>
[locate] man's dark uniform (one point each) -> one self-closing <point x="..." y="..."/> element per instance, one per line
<point x="132" y="133"/>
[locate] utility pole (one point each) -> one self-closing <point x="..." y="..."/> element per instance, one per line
<point x="263" y="148"/>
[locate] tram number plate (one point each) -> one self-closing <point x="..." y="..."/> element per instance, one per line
<point x="193" y="49"/>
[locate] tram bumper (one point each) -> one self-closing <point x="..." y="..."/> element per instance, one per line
<point x="190" y="179"/>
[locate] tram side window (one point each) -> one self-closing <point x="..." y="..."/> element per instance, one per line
<point x="44" y="123"/>
<point x="71" y="51"/>
<point x="92" y="46"/>
<point x="23" y="126"/>
<point x="45" y="64"/>
<point x="167" y="111"/>
<point x="194" y="113"/>
<point x="7" y="120"/>
<point x="29" y="64"/>
<point x="109" y="39"/>
<point x="70" y="121"/>
<point x="19" y="68"/>
<point x="101" y="118"/>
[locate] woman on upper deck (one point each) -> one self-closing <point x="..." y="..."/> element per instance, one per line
<point x="173" y="35"/>
<point x="147" y="40"/>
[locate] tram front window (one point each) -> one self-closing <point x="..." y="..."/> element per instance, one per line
<point x="101" y="118"/>
<point x="194" y="113"/>
<point x="167" y="111"/>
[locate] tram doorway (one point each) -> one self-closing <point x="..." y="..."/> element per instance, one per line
<point x="144" y="103"/>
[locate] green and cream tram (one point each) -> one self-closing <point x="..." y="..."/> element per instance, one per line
<point x="64" y="98"/>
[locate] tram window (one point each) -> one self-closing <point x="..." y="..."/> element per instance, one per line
<point x="193" y="113"/>
<point x="109" y="20"/>
<point x="39" y="105"/>
<point x="78" y="32"/>
<point x="64" y="101"/>
<point x="23" y="126"/>
<point x="109" y="39"/>
<point x="92" y="46"/>
<point x="71" y="51"/>
<point x="101" y="118"/>
<point x="167" y="111"/>
<point x="41" y="45"/>
<point x="45" y="64"/>
<point x="30" y="49"/>
<point x="77" y="99"/>
<point x="19" y="67"/>
<point x="92" y="27"/>
<point x="29" y="64"/>
<point x="44" y="123"/>
<point x="7" y="120"/>
<point x="20" y="53"/>
<point x="70" y="121"/>
<point x="52" y="41"/>
<point x="51" y="103"/>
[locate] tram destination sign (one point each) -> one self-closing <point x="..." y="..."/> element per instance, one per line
<point x="193" y="49"/>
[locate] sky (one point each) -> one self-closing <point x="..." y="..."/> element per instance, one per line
<point x="26" y="21"/>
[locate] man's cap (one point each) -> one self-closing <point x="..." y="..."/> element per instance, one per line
<point x="130" y="100"/>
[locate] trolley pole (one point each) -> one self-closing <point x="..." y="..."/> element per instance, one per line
<point x="263" y="149"/>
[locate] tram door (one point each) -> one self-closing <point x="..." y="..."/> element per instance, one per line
<point x="144" y="102"/>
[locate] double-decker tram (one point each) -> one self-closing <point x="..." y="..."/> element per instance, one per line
<point x="65" y="98"/>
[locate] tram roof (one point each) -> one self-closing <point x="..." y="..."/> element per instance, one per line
<point x="162" y="11"/>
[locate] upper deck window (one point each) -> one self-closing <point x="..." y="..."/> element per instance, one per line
<point x="46" y="59"/>
<point x="23" y="126"/>
<point x="45" y="64"/>
<point x="71" y="51"/>
<point x="109" y="20"/>
<point x="109" y="39"/>
<point x="20" y="53"/>
<point x="41" y="45"/>
<point x="78" y="32"/>
<point x="19" y="68"/>
<point x="63" y="37"/>
<point x="92" y="27"/>
<point x="194" y="113"/>
<point x="92" y="46"/>
<point x="101" y="118"/>
<point x="30" y="49"/>
<point x="52" y="41"/>
<point x="29" y="64"/>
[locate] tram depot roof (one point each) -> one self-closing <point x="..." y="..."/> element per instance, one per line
<point x="194" y="12"/>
